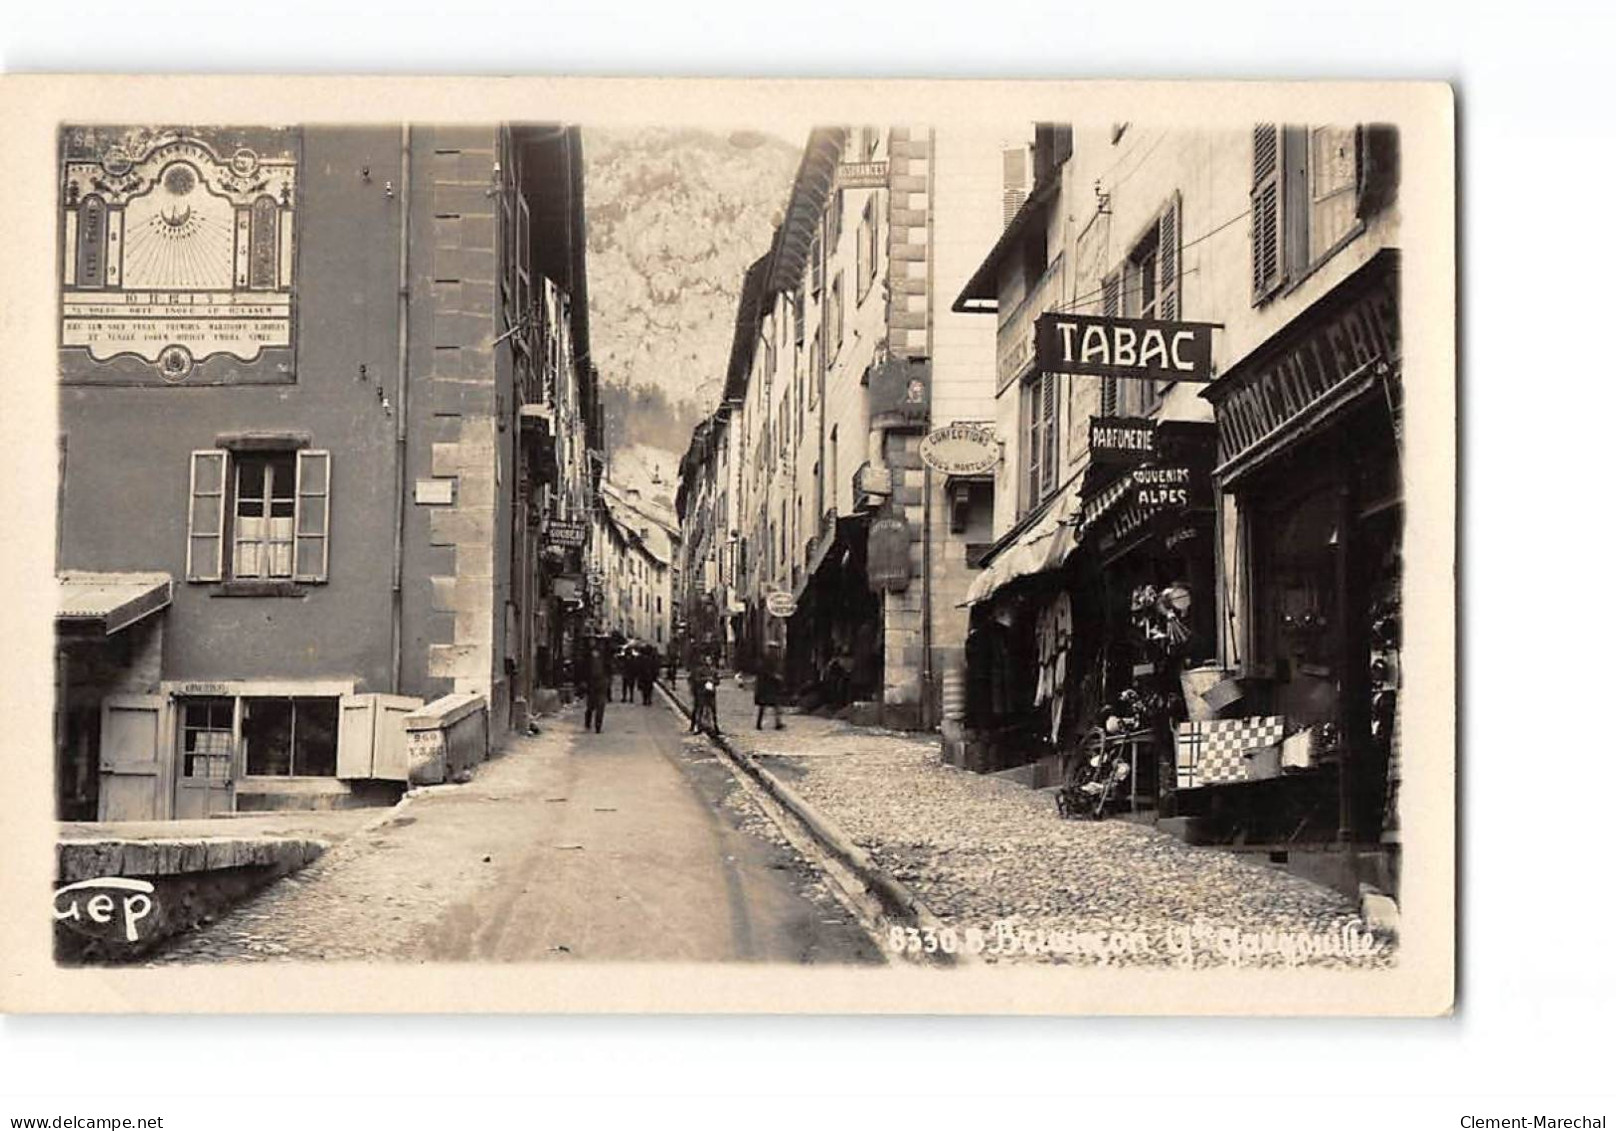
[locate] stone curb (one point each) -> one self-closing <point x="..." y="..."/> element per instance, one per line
<point x="896" y="900"/>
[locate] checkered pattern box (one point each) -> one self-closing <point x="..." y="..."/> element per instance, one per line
<point x="1213" y="752"/>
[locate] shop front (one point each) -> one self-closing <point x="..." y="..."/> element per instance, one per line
<point x="833" y="639"/>
<point x="1310" y="468"/>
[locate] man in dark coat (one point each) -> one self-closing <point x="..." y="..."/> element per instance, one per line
<point x="770" y="686"/>
<point x="597" y="673"/>
<point x="648" y="663"/>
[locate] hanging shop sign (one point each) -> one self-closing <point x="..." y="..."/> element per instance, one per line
<point x="1162" y="488"/>
<point x="900" y="391"/>
<point x="861" y="174"/>
<point x="1123" y="440"/>
<point x="960" y="449"/>
<point x="780" y="604"/>
<point x="569" y="534"/>
<point x="1136" y="348"/>
<point x="887" y="562"/>
<point x="1351" y="341"/>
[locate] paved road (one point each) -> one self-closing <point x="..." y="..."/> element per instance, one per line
<point x="632" y="844"/>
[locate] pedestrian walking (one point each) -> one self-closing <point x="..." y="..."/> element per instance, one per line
<point x="704" y="696"/>
<point x="627" y="668"/>
<point x="769" y="688"/>
<point x="649" y="663"/>
<point x="597" y="683"/>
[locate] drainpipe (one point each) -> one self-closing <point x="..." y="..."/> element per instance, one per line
<point x="401" y="435"/>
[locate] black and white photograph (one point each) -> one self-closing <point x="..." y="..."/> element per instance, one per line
<point x="881" y="556"/>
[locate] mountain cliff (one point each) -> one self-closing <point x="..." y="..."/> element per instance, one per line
<point x="675" y="216"/>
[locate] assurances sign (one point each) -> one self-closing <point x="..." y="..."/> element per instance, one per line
<point x="177" y="255"/>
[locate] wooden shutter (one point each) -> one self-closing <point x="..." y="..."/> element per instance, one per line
<point x="1167" y="260"/>
<point x="1267" y="267"/>
<point x="1110" y="306"/>
<point x="1033" y="404"/>
<point x="1051" y="433"/>
<point x="313" y="552"/>
<point x="204" y="547"/>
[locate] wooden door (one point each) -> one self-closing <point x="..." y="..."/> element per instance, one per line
<point x="207" y="759"/>
<point x="136" y="758"/>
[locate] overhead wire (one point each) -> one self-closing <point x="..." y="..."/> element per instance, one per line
<point x="1091" y="297"/>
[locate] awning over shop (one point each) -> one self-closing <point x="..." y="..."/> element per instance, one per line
<point x="106" y="603"/>
<point x="1043" y="545"/>
<point x="835" y="532"/>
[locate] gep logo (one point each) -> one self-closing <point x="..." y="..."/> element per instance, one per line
<point x="103" y="906"/>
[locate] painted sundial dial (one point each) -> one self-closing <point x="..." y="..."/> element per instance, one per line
<point x="179" y="236"/>
<point x="177" y="255"/>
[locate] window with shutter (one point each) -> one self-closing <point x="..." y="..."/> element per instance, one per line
<point x="204" y="553"/>
<point x="313" y="516"/>
<point x="1267" y="268"/>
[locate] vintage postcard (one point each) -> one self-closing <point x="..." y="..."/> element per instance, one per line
<point x="716" y="546"/>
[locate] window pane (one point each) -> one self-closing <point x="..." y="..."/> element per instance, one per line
<point x="316" y="753"/>
<point x="266" y="728"/>
<point x="282" y="476"/>
<point x="249" y="478"/>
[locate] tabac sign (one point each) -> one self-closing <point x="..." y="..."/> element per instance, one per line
<point x="176" y="255"/>
<point x="1136" y="348"/>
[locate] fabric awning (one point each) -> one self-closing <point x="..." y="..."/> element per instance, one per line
<point x="1043" y="546"/>
<point x="110" y="602"/>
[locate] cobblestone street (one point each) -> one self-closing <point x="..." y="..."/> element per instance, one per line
<point x="981" y="852"/>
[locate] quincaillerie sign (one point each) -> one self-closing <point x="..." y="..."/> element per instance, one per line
<point x="176" y="251"/>
<point x="1137" y="348"/>
<point x="1337" y="350"/>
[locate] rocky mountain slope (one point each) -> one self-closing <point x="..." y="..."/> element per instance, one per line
<point x="675" y="217"/>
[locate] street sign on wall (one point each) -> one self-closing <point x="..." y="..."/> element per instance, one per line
<point x="960" y="449"/>
<point x="1130" y="348"/>
<point x="780" y="603"/>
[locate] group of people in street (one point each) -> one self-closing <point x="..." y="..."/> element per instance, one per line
<point x="634" y="662"/>
<point x="631" y="666"/>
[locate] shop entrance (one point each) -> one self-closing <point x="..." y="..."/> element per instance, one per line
<point x="208" y="739"/>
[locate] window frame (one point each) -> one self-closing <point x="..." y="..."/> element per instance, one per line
<point x="218" y="509"/>
<point x="1291" y="183"/>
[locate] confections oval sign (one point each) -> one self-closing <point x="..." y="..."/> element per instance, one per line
<point x="960" y="449"/>
<point x="177" y="255"/>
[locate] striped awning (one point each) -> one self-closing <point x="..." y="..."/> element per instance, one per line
<point x="109" y="602"/>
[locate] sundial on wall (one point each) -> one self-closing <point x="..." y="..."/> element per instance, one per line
<point x="177" y="255"/>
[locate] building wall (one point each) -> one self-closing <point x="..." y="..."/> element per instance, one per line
<point x="455" y="585"/>
<point x="126" y="462"/>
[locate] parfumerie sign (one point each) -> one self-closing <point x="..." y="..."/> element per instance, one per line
<point x="1137" y="348"/>
<point x="1121" y="439"/>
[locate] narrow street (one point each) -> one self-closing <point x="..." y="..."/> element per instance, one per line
<point x="634" y="844"/>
